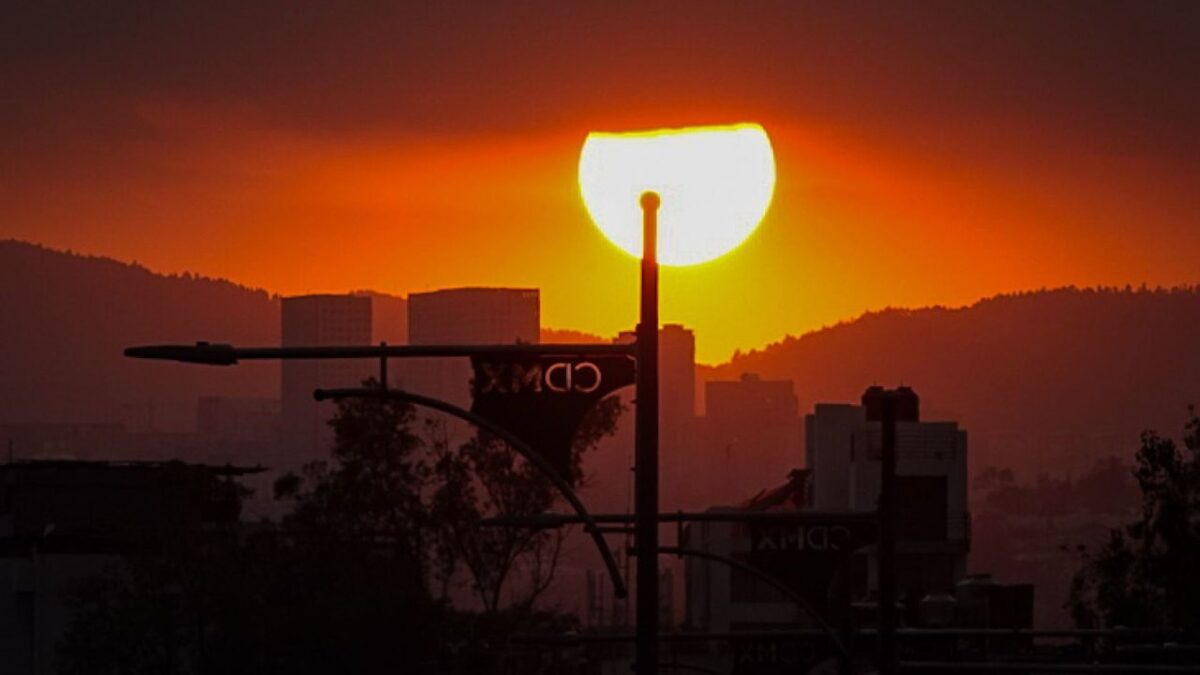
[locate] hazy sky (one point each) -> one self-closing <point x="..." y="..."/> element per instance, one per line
<point x="927" y="152"/>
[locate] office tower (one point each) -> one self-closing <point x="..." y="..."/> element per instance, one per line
<point x="465" y="316"/>
<point x="842" y="449"/>
<point x="474" y="316"/>
<point x="751" y="436"/>
<point x="841" y="483"/>
<point x="843" y="455"/>
<point x="389" y="325"/>
<point x="677" y="376"/>
<point x="389" y="317"/>
<point x="677" y="413"/>
<point x="314" y="321"/>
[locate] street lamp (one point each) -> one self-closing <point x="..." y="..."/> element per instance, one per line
<point x="645" y="452"/>
<point x="713" y="185"/>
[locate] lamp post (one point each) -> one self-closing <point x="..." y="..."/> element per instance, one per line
<point x="887" y="538"/>
<point x="610" y="164"/>
<point x="646" y="446"/>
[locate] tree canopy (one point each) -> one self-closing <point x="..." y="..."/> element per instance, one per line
<point x="1145" y="573"/>
<point x="358" y="576"/>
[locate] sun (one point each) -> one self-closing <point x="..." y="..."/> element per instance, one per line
<point x="715" y="182"/>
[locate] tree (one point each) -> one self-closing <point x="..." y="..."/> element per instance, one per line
<point x="344" y="583"/>
<point x="1145" y="574"/>
<point x="386" y="479"/>
<point x="371" y="489"/>
<point x="486" y="477"/>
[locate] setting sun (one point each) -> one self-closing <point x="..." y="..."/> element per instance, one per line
<point x="715" y="182"/>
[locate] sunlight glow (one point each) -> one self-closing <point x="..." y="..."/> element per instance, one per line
<point x="715" y="182"/>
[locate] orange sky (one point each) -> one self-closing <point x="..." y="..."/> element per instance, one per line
<point x="909" y="172"/>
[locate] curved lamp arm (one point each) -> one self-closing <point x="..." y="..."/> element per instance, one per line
<point x="765" y="578"/>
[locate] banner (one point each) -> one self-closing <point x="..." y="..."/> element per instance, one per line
<point x="814" y="556"/>
<point x="542" y="399"/>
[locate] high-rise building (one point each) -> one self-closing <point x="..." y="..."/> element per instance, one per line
<point x="315" y="321"/>
<point x="465" y="316"/>
<point x="840" y="484"/>
<point x="389" y="317"/>
<point x="751" y="436"/>
<point x="843" y="455"/>
<point x="676" y="411"/>
<point x="474" y="316"/>
<point x="677" y="376"/>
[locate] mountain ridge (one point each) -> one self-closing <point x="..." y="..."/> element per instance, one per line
<point x="1042" y="380"/>
<point x="1036" y="377"/>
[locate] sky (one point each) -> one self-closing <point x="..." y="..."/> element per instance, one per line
<point x="927" y="153"/>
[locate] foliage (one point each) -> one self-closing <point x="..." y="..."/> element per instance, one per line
<point x="485" y="477"/>
<point x="370" y="491"/>
<point x="1145" y="574"/>
<point x="267" y="601"/>
<point x="344" y="583"/>
<point x="1105" y="488"/>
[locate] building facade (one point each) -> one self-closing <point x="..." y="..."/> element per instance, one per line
<point x="677" y="420"/>
<point x="840" y="484"/>
<point x="65" y="521"/>
<point x="315" y="321"/>
<point x="749" y="438"/>
<point x="465" y="316"/>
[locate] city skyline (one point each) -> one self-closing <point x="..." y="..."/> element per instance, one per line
<point x="704" y="357"/>
<point x="543" y="337"/>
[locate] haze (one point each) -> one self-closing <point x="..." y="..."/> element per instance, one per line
<point x="407" y="147"/>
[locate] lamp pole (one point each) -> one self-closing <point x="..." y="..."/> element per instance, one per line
<point x="887" y="536"/>
<point x="646" y="446"/>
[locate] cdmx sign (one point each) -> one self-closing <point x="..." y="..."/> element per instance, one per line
<point x="559" y="377"/>
<point x="804" y="537"/>
<point x="543" y="398"/>
<point x="812" y="554"/>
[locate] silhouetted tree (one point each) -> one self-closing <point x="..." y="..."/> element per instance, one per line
<point x="371" y="489"/>
<point x="302" y="600"/>
<point x="387" y="480"/>
<point x="1145" y="574"/>
<point x="343" y="582"/>
<point x="485" y="477"/>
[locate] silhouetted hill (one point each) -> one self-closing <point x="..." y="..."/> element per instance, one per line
<point x="1043" y="381"/>
<point x="568" y="336"/>
<point x="68" y="317"/>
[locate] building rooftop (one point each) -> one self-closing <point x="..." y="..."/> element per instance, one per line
<point x="124" y="465"/>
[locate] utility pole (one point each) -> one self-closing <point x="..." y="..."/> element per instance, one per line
<point x="887" y="536"/>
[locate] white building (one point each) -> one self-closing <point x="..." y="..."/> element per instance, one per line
<point x="842" y="453"/>
<point x="841" y="481"/>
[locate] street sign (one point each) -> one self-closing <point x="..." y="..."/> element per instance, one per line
<point x="816" y="536"/>
<point x="813" y="556"/>
<point x="543" y="398"/>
